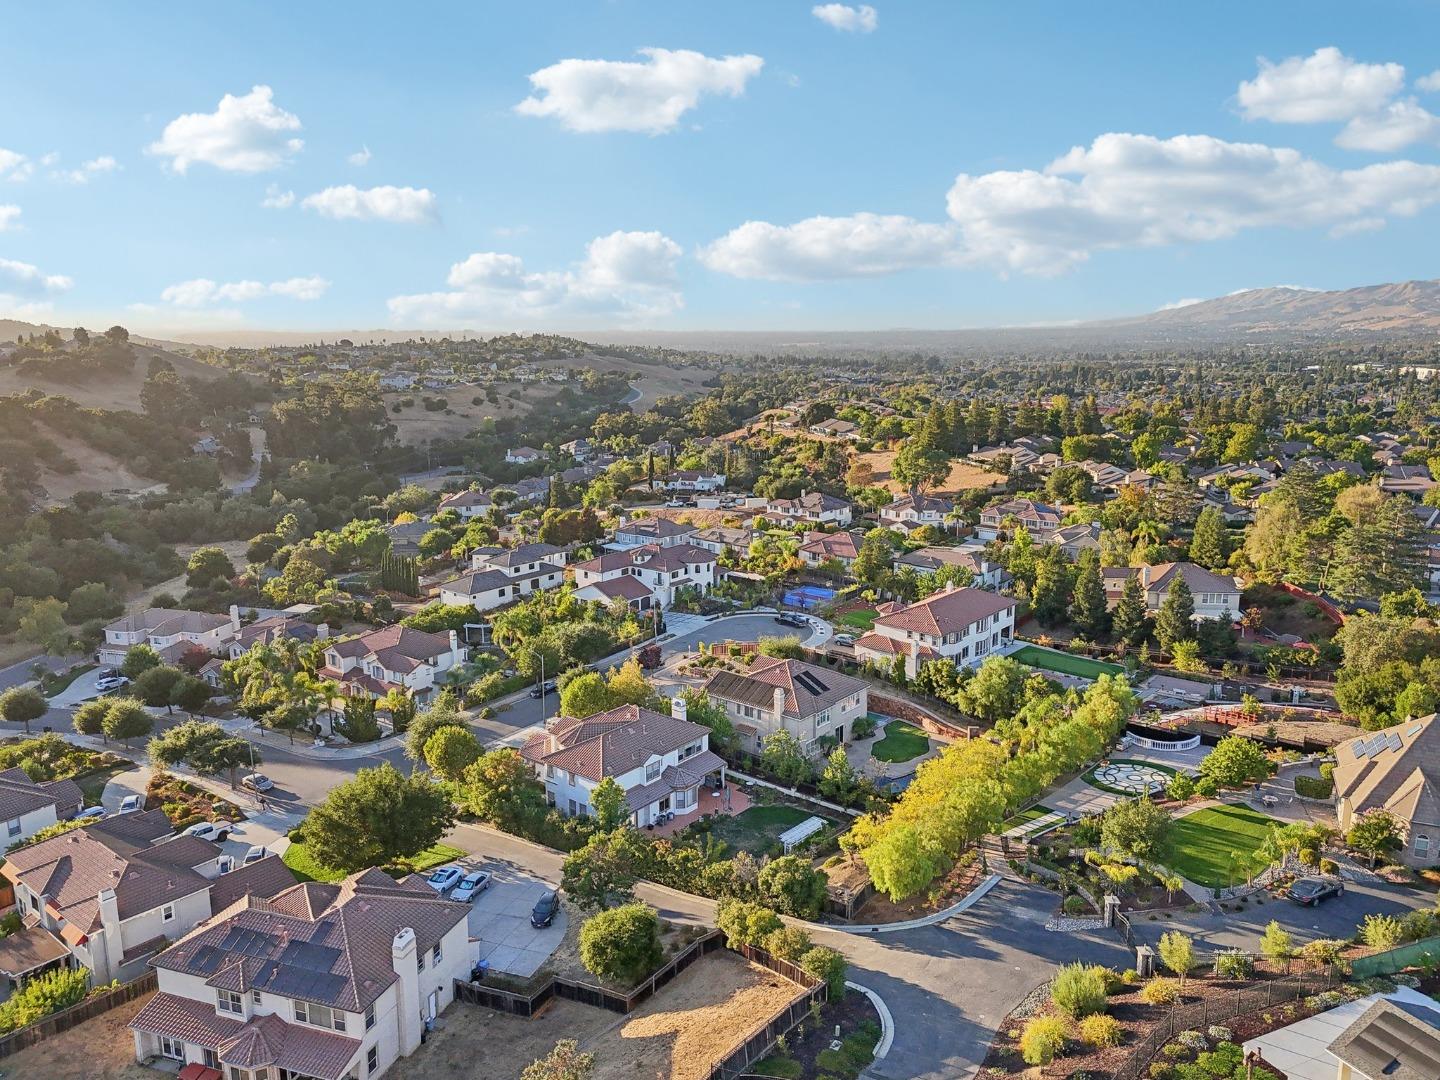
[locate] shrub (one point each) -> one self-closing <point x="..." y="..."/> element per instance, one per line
<point x="1159" y="1070"/>
<point x="829" y="967"/>
<point x="1043" y="1039"/>
<point x="1329" y="866"/>
<point x="1075" y="904"/>
<point x="1313" y="787"/>
<point x="1100" y="1030"/>
<point x="1223" y="1061"/>
<point x="1234" y="964"/>
<point x="621" y="944"/>
<point x="43" y="995"/>
<point x="1219" y="1033"/>
<point x="1192" y="1040"/>
<point x="1382" y="931"/>
<point x="1418" y="924"/>
<point x="1161" y="991"/>
<point x="789" y="943"/>
<point x="1206" y="787"/>
<point x="745" y="923"/>
<point x="1079" y="989"/>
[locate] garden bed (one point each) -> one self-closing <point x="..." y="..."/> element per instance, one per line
<point x="806" y="1053"/>
<point x="187" y="804"/>
<point x="962" y="877"/>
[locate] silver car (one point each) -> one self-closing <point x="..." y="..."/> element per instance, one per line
<point x="471" y="886"/>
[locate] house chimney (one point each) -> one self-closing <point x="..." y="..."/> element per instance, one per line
<point x="322" y="631"/>
<point x="454" y="644"/>
<point x="234" y="618"/>
<point x="779" y="699"/>
<point x="678" y="709"/>
<point x="407" y="1003"/>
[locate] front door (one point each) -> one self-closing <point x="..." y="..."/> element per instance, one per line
<point x="665" y="804"/>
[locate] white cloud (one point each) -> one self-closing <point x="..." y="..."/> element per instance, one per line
<point x="275" y="199"/>
<point x="1390" y="129"/>
<point x="1122" y="191"/>
<point x="25" y="280"/>
<point x="360" y="158"/>
<point x="830" y="247"/>
<point x="405" y="205"/>
<point x="862" y="19"/>
<point x="9" y="216"/>
<point x="648" y="96"/>
<point x="244" y="134"/>
<point x="202" y="292"/>
<point x="626" y="275"/>
<point x="1428" y="83"/>
<point x="1189" y="301"/>
<point x="88" y="170"/>
<point x="1359" y="225"/>
<point x="1326" y="85"/>
<point x="15" y="166"/>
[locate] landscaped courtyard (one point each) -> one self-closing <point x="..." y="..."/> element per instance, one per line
<point x="1124" y="777"/>
<point x="1215" y="847"/>
<point x="902" y="742"/>
<point x="1065" y="663"/>
<point x="758" y="829"/>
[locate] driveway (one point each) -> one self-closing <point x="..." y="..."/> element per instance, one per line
<point x="737" y="628"/>
<point x="500" y="927"/>
<point x="81" y="690"/>
<point x="19" y="674"/>
<point x="262" y="830"/>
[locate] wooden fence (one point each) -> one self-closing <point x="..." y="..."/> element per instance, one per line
<point x="94" y="1005"/>
<point x="761" y="1041"/>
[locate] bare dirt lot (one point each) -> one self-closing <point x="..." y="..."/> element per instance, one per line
<point x="102" y="1048"/>
<point x="676" y="1035"/>
<point x="655" y="380"/>
<point x="415" y="425"/>
<point x="175" y="586"/>
<point x="963" y="476"/>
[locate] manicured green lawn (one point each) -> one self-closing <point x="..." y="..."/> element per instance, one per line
<point x="1213" y="847"/>
<point x="1026" y="816"/>
<point x="298" y="858"/>
<point x="1065" y="663"/>
<point x="758" y="827"/>
<point x="902" y="742"/>
<point x="51" y="685"/>
<point x="864" y="619"/>
<point x="93" y="785"/>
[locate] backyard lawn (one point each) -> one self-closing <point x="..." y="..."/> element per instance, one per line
<point x="863" y="619"/>
<point x="298" y="858"/>
<point x="1213" y="847"/>
<point x="1065" y="663"/>
<point x="756" y="829"/>
<point x="902" y="742"/>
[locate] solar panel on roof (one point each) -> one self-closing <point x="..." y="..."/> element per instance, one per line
<point x="1413" y="731"/>
<point x="248" y="942"/>
<point x="1392" y="741"/>
<point x="305" y="954"/>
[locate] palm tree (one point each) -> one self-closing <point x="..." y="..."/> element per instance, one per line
<point x="1152" y="532"/>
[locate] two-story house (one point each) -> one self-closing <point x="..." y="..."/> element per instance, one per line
<point x="819" y="548"/>
<point x="1073" y="540"/>
<point x="579" y="449"/>
<point x="522" y="455"/>
<point x="500" y="576"/>
<point x="815" y="507"/>
<point x="272" y="629"/>
<point x="816" y="705"/>
<point x="27" y="806"/>
<point x="1215" y="596"/>
<point x="322" y="982"/>
<point x="723" y="538"/>
<point x="960" y="625"/>
<point x="661" y="532"/>
<point x="910" y="512"/>
<point x="983" y="573"/>
<point x="691" y="480"/>
<point x="468" y="504"/>
<point x="662" y="570"/>
<point x="392" y="658"/>
<point x="115" y="892"/>
<point x="1038" y="519"/>
<point x="661" y="762"/>
<point x="169" y="631"/>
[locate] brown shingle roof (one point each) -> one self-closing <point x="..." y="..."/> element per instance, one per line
<point x="808" y="689"/>
<point x="609" y="743"/>
<point x="19" y="795"/>
<point x="1397" y="769"/>
<point x="948" y="612"/>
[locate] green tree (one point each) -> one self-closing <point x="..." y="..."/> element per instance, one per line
<point x="604" y="871"/>
<point x="206" y="747"/>
<point x="1177" y="952"/>
<point x="839" y="781"/>
<point x="565" y="1062"/>
<point x="829" y="966"/>
<point x="450" y="751"/>
<point x="502" y="790"/>
<point x="22" y="704"/>
<point x="782" y="756"/>
<point x="190" y="694"/>
<point x="44" y="995"/>
<point x="1135" y="827"/>
<point x="154" y="685"/>
<point x="1050" y="598"/>
<point x="138" y="660"/>
<point x="585" y="695"/>
<point x="89" y="718"/>
<point x="996" y="691"/>
<point x="426" y="724"/>
<point x="792" y="886"/>
<point x="127" y="719"/>
<point x="701" y="709"/>
<point x="1276" y="944"/>
<point x="1235" y="761"/>
<point x="902" y="861"/>
<point x="1087" y="606"/>
<point x="1374" y="833"/>
<point x="622" y="944"/>
<point x="608" y="805"/>
<point x="93" y="600"/>
<point x="744" y="922"/>
<point x="357" y="721"/>
<point x="1175" y="621"/>
<point x="1207" y="545"/>
<point x="377" y="818"/>
<point x="42" y="622"/>
<point x="1129" y="617"/>
<point x="206" y="565"/>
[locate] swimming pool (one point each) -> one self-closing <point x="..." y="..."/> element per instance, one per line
<point x="806" y="597"/>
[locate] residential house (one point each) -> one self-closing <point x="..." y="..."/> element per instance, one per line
<point x="405" y="538"/>
<point x="910" y="512"/>
<point x="1390" y="1040"/>
<point x="114" y="893"/>
<point x="579" y="449"/>
<point x="1002" y="459"/>
<point x="500" y="576"/>
<point x="811" y="703"/>
<point x="169" y="631"/>
<point x="322" y="982"/>
<point x="837" y="429"/>
<point x="656" y="531"/>
<point x="927" y="560"/>
<point x="960" y="625"/>
<point x="723" y="538"/>
<point x="272" y="629"/>
<point x="690" y="480"/>
<point x="660" y="761"/>
<point x="469" y="504"/>
<point x="1104" y="475"/>
<point x="1074" y="539"/>
<point x="815" y="507"/>
<point x="819" y="548"/>
<point x="27" y="806"/>
<point x="1216" y="596"/>
<point x="1038" y="519"/>
<point x="662" y="570"/>
<point x="207" y="444"/>
<point x="523" y="455"/>
<point x="1412" y="480"/>
<point x="392" y="658"/>
<point x="533" y="489"/>
<point x="1396" y="770"/>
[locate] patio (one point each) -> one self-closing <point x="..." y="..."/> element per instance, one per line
<point x="729" y="802"/>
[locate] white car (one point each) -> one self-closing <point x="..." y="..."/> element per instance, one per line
<point x="257" y="781"/>
<point x="93" y="813"/>
<point x="444" y="879"/>
<point x="471" y="886"/>
<point x="255" y="854"/>
<point x="216" y="831"/>
<point x="111" y="682"/>
<point x="131" y="803"/>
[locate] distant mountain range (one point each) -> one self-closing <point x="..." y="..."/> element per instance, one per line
<point x="1408" y="309"/>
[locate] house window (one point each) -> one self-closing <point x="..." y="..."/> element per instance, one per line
<point x="420" y="962"/>
<point x="372" y="1060"/>
<point x="307" y="1012"/>
<point x="255" y="996"/>
<point x="167" y="913"/>
<point x="229" y="1001"/>
<point x="370" y="1017"/>
<point x="13" y="826"/>
<point x="1422" y="845"/>
<point x="652" y="771"/>
<point x="172" y="1048"/>
<point x="435" y="954"/>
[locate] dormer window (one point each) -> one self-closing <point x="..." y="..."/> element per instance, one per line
<point x="652" y="770"/>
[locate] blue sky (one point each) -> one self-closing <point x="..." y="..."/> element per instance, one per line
<point x="764" y="165"/>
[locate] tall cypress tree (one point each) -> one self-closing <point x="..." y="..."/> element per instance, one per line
<point x="1087" y="606"/>
<point x="1128" y="618"/>
<point x="1175" y="621"/>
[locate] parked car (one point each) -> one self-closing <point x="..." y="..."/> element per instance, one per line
<point x="257" y="781"/>
<point x="131" y="803"/>
<point x="547" y="687"/>
<point x="444" y="879"/>
<point x="255" y="854"/>
<point x="216" y="831"/>
<point x="91" y="813"/>
<point x="786" y="618"/>
<point x="106" y="683"/>
<point x="545" y="909"/>
<point x="1310" y="891"/>
<point x="843" y="639"/>
<point x="471" y="886"/>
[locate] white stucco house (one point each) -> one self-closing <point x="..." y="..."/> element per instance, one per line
<point x="169" y="631"/>
<point x="960" y="625"/>
<point x="815" y="704"/>
<point x="27" y="806"/>
<point x="392" y="658"/>
<point x="662" y="570"/>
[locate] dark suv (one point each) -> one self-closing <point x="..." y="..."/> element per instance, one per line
<point x="545" y="910"/>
